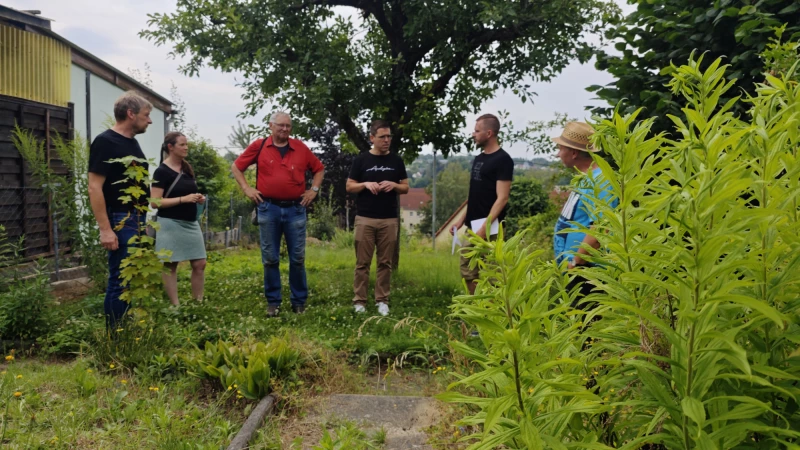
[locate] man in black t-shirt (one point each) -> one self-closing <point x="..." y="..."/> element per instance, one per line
<point x="378" y="177"/>
<point x="118" y="221"/>
<point x="489" y="188"/>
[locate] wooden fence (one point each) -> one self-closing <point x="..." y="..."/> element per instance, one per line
<point x="24" y="207"/>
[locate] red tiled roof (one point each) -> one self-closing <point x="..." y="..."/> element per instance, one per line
<point x="415" y="198"/>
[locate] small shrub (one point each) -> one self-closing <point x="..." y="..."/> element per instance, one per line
<point x="344" y="238"/>
<point x="322" y="224"/>
<point x="26" y="309"/>
<point x="246" y="367"/>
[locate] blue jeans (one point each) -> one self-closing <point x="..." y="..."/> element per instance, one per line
<point x="115" y="308"/>
<point x="273" y="222"/>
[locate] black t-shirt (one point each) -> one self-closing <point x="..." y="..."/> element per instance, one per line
<point x="112" y="145"/>
<point x="283" y="150"/>
<point x="373" y="168"/>
<point x="486" y="171"/>
<point x="163" y="178"/>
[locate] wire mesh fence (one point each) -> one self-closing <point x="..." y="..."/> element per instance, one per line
<point x="226" y="221"/>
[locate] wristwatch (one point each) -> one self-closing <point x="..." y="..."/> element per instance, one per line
<point x="314" y="188"/>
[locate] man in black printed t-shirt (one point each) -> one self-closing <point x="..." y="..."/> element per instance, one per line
<point x="118" y="221"/>
<point x="377" y="176"/>
<point x="489" y="188"/>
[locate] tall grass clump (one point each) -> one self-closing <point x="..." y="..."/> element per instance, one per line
<point x="694" y="342"/>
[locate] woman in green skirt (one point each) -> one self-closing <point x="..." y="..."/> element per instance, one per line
<point x="179" y="232"/>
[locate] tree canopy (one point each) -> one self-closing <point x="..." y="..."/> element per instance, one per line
<point x="658" y="33"/>
<point x="421" y="64"/>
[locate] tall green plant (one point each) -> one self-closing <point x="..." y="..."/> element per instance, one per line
<point x="68" y="194"/>
<point x="141" y="270"/>
<point x="693" y="343"/>
<point x="702" y="256"/>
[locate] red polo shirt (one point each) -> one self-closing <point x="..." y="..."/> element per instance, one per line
<point x="280" y="178"/>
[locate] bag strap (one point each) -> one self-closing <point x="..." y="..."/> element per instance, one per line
<point x="169" y="191"/>
<point x="264" y="141"/>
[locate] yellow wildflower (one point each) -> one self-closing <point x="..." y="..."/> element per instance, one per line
<point x="19" y="377"/>
<point x="111" y="366"/>
<point x="120" y="330"/>
<point x="18" y="394"/>
<point x="612" y="390"/>
<point x="230" y="388"/>
<point x="123" y="381"/>
<point x="10" y="358"/>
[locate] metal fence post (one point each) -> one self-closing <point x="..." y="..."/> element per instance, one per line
<point x="239" y="227"/>
<point x="55" y="243"/>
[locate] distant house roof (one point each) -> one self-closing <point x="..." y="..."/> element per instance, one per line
<point x="452" y="216"/>
<point x="414" y="200"/>
<point x="35" y="23"/>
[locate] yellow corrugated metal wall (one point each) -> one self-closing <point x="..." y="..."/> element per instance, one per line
<point x="34" y="67"/>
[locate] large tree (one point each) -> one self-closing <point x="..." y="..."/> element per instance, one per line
<point x="665" y="31"/>
<point x="422" y="64"/>
<point x="337" y="160"/>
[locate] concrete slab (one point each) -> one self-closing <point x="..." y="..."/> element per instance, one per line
<point x="403" y="418"/>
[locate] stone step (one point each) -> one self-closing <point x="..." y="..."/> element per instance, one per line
<point x="403" y="418"/>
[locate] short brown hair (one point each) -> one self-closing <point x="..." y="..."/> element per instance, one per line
<point x="130" y="101"/>
<point x="377" y="125"/>
<point x="491" y="121"/>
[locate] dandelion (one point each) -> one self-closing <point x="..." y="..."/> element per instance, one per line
<point x="230" y="388"/>
<point x="111" y="366"/>
<point x="530" y="391"/>
<point x="612" y="390"/>
<point x="10" y="358"/>
<point x="89" y="370"/>
<point x="596" y="372"/>
<point x="333" y="318"/>
<point x="153" y="388"/>
<point x="141" y="321"/>
<point x="19" y="377"/>
<point x="18" y="394"/>
<point x="123" y="381"/>
<point x="138" y="339"/>
<point x="120" y="330"/>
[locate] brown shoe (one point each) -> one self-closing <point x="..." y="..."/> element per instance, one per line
<point x="272" y="311"/>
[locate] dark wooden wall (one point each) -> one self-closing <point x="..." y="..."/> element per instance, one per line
<point x="24" y="207"/>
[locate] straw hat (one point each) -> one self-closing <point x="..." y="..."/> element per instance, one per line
<point x="576" y="135"/>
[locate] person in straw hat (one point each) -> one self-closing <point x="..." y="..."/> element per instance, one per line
<point x="575" y="151"/>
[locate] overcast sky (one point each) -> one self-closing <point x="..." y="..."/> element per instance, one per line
<point x="108" y="29"/>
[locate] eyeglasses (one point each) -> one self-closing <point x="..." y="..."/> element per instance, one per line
<point x="282" y="125"/>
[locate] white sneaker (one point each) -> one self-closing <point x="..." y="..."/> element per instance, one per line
<point x="360" y="308"/>
<point x="383" y="309"/>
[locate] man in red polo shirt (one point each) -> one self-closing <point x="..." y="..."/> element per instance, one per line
<point x="281" y="195"/>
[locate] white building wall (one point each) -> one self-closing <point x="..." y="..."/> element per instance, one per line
<point x="103" y="96"/>
<point x="77" y="82"/>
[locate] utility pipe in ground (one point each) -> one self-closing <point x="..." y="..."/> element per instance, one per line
<point x="253" y="423"/>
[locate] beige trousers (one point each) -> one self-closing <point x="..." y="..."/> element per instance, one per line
<point x="372" y="234"/>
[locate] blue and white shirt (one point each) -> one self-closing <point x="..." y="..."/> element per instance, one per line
<point x="577" y="210"/>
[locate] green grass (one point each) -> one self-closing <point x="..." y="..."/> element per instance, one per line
<point x="96" y="409"/>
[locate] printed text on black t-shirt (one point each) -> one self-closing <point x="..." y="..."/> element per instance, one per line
<point x="376" y="168"/>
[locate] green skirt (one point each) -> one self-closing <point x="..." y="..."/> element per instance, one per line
<point x="183" y="238"/>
